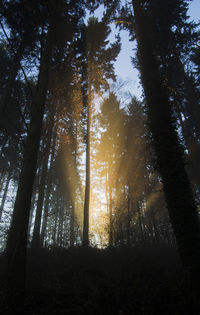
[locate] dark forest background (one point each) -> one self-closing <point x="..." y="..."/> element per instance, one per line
<point x="99" y="191"/>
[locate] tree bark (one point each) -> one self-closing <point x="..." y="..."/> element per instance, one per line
<point x="48" y="191"/>
<point x="36" y="231"/>
<point x="140" y="222"/>
<point x="87" y="183"/>
<point x="180" y="202"/>
<point x="110" y="211"/>
<point x="17" y="237"/>
<point x="128" y="220"/>
<point x="2" y="178"/>
<point x="33" y="199"/>
<point x="55" y="230"/>
<point x="5" y="192"/>
<point x="72" y="217"/>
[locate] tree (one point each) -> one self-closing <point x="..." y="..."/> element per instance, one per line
<point x="16" y="250"/>
<point x="23" y="19"/>
<point x="36" y="242"/>
<point x="170" y="162"/>
<point x="17" y="237"/>
<point x="195" y="60"/>
<point x="111" y="120"/>
<point x="97" y="68"/>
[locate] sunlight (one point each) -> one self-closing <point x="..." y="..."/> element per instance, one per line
<point x="99" y="157"/>
<point x="105" y="167"/>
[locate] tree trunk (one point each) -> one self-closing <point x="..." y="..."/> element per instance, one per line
<point x="110" y="212"/>
<point x="5" y="192"/>
<point x="128" y="220"/>
<point x="48" y="191"/>
<point x="170" y="163"/>
<point x="56" y="221"/>
<point x="72" y="227"/>
<point x="17" y="237"/>
<point x="87" y="183"/>
<point x="60" y="222"/>
<point x="140" y="222"/>
<point x="32" y="208"/>
<point x="36" y="232"/>
<point x="46" y="210"/>
<point x="2" y="178"/>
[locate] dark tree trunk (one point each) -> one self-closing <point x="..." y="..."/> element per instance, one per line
<point x="154" y="226"/>
<point x="140" y="222"/>
<point x="128" y="220"/>
<point x="2" y="178"/>
<point x="17" y="237"/>
<point x="5" y="192"/>
<point x="46" y="210"/>
<point x="33" y="199"/>
<point x="72" y="227"/>
<point x="110" y="212"/>
<point x="170" y="163"/>
<point x="60" y="223"/>
<point x="86" y="106"/>
<point x="48" y="192"/>
<point x="87" y="184"/>
<point x="56" y="221"/>
<point x="36" y="231"/>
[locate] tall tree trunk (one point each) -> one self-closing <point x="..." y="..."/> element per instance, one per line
<point x="36" y="231"/>
<point x="56" y="220"/>
<point x="48" y="191"/>
<point x="72" y="227"/>
<point x="2" y="178"/>
<point x="154" y="226"/>
<point x="128" y="220"/>
<point x="3" y="144"/>
<point x="72" y="214"/>
<point x="45" y="215"/>
<point x="87" y="183"/>
<point x="33" y="199"/>
<point x="86" y="105"/>
<point x="5" y="191"/>
<point x="140" y="222"/>
<point x="110" y="212"/>
<point x="17" y="237"/>
<point x="60" y="222"/>
<point x="178" y="194"/>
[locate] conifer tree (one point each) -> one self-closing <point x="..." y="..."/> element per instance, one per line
<point x="97" y="68"/>
<point x="17" y="237"/>
<point x="170" y="162"/>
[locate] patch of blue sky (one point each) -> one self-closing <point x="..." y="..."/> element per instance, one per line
<point x="124" y="67"/>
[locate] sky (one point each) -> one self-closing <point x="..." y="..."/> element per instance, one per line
<point x="123" y="66"/>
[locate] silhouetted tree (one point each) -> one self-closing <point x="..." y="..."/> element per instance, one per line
<point x="97" y="68"/>
<point x="170" y="162"/>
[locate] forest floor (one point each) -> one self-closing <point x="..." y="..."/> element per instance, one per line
<point x="142" y="280"/>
